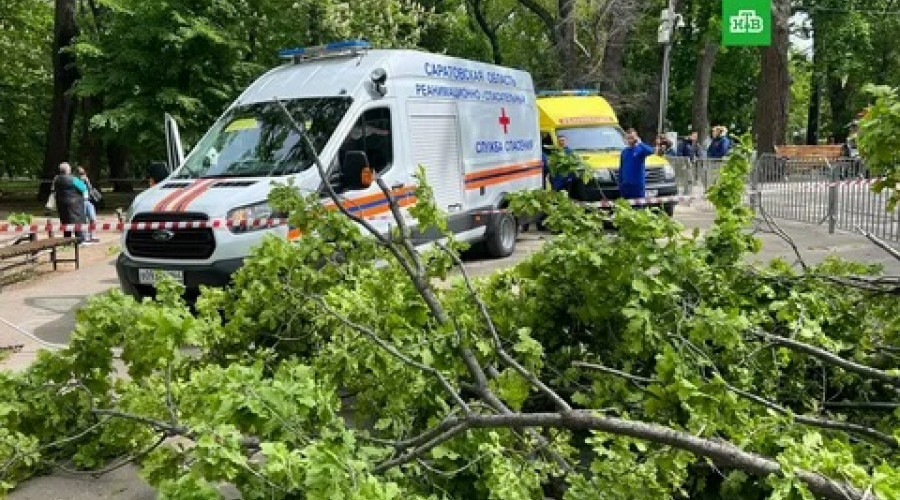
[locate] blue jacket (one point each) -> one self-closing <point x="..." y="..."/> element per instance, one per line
<point x="631" y="165"/>
<point x="719" y="147"/>
<point x="689" y="149"/>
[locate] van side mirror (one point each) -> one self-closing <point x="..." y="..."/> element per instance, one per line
<point x="355" y="171"/>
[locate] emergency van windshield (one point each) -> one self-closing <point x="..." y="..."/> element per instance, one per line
<point x="600" y="138"/>
<point x="258" y="140"/>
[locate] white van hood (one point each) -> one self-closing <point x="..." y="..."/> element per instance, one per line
<point x="214" y="197"/>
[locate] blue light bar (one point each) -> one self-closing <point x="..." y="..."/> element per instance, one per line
<point x="577" y="92"/>
<point x="333" y="48"/>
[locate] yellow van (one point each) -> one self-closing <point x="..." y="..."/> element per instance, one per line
<point x="590" y="125"/>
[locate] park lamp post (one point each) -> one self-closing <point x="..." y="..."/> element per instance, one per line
<point x="668" y="21"/>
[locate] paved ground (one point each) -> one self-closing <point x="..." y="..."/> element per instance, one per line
<point x="44" y="308"/>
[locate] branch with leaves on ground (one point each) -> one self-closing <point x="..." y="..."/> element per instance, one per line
<point x="644" y="363"/>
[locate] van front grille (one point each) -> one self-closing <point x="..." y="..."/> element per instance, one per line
<point x="175" y="244"/>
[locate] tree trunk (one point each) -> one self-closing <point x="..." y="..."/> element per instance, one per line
<point x="117" y="156"/>
<point x="62" y="113"/>
<point x="619" y="24"/>
<point x="702" y="79"/>
<point x="770" y="126"/>
<point x="477" y="7"/>
<point x="565" y="43"/>
<point x="812" y="116"/>
<point x="841" y="115"/>
<point x="91" y="146"/>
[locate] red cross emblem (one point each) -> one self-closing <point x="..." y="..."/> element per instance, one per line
<point x="504" y="120"/>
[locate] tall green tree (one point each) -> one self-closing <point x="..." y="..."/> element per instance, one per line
<point x="773" y="90"/>
<point x="26" y="35"/>
<point x="853" y="45"/>
<point x="191" y="59"/>
<point x="62" y="111"/>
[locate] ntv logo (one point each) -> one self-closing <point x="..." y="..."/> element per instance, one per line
<point x="746" y="21"/>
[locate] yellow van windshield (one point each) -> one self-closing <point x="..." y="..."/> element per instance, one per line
<point x="599" y="138"/>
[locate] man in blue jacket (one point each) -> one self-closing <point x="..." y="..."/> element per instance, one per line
<point x="720" y="145"/>
<point x="632" y="171"/>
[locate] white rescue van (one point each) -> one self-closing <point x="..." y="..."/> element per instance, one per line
<point x="472" y="126"/>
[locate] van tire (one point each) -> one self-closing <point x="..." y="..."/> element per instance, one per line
<point x="500" y="240"/>
<point x="669" y="209"/>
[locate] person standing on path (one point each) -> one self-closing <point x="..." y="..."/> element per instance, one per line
<point x="690" y="147"/>
<point x="632" y="170"/>
<point x="720" y="145"/>
<point x="90" y="212"/>
<point x="70" y="192"/>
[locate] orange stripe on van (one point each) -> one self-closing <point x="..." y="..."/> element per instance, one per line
<point x="500" y="170"/>
<point x="375" y="204"/>
<point x="169" y="198"/>
<point x="505" y="178"/>
<point x="183" y="202"/>
<point x="501" y="175"/>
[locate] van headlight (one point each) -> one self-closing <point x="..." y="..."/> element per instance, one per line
<point x="240" y="218"/>
<point x="668" y="172"/>
<point x="603" y="175"/>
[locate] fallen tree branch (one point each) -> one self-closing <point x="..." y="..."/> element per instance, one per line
<point x="612" y="371"/>
<point x="118" y="464"/>
<point x="861" y="405"/>
<point x="248" y="442"/>
<point x="560" y="403"/>
<point x="893" y="252"/>
<point x="781" y="233"/>
<point x="722" y="454"/>
<point x="833" y="359"/>
<point x="811" y="421"/>
<point x="393" y="351"/>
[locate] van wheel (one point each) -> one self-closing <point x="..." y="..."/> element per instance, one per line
<point x="501" y="237"/>
<point x="670" y="209"/>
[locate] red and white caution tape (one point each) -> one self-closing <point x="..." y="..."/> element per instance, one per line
<point x="142" y="226"/>
<point x="655" y="200"/>
<point x="258" y="223"/>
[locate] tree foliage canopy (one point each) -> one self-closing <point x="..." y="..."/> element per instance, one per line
<point x="140" y="59"/>
<point x="26" y="30"/>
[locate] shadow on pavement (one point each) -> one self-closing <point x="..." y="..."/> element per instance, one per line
<point x="59" y="329"/>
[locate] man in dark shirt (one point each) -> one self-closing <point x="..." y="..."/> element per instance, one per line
<point x="690" y="147"/>
<point x="632" y="171"/>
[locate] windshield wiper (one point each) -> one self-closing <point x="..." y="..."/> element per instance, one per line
<point x="224" y="175"/>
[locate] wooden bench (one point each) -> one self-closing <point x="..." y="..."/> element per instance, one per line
<point x="828" y="151"/>
<point x="803" y="159"/>
<point x="29" y="246"/>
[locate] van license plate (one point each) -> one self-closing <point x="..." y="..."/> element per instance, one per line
<point x="651" y="193"/>
<point x="149" y="276"/>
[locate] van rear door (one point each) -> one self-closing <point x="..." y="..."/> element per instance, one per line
<point x="435" y="144"/>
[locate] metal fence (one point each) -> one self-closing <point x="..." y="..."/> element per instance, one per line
<point x="695" y="177"/>
<point x="837" y="192"/>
